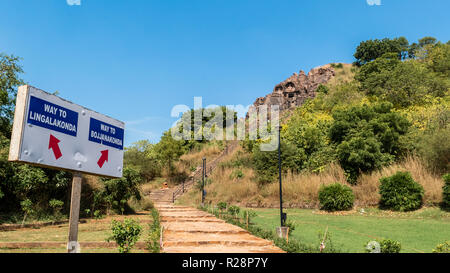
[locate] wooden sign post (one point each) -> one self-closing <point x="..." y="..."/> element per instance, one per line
<point x="73" y="246"/>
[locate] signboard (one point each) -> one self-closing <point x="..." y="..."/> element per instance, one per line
<point x="51" y="132"/>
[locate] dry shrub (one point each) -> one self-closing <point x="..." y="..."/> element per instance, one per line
<point x="366" y="191"/>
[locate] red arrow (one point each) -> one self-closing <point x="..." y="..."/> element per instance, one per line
<point x="103" y="158"/>
<point x="53" y="144"/>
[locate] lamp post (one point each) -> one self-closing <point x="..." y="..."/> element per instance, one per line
<point x="282" y="231"/>
<point x="203" y="179"/>
<point x="282" y="215"/>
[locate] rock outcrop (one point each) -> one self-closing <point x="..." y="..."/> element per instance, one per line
<point x="295" y="90"/>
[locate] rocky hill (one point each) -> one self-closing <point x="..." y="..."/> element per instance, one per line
<point x="296" y="89"/>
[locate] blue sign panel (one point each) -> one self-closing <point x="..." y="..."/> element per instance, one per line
<point x="53" y="117"/>
<point x="106" y="134"/>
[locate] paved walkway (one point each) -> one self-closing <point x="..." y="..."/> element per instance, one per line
<point x="188" y="230"/>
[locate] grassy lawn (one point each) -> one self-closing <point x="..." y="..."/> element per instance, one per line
<point x="92" y="231"/>
<point x="417" y="232"/>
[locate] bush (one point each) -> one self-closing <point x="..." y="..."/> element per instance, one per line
<point x="57" y="206"/>
<point x="154" y="235"/>
<point x="222" y="206"/>
<point x="118" y="191"/>
<point x="442" y="248"/>
<point x="336" y="197"/>
<point x="368" y="137"/>
<point x="266" y="162"/>
<point x="125" y="234"/>
<point x="446" y="191"/>
<point x="400" y="192"/>
<point x="233" y="210"/>
<point x="236" y="175"/>
<point x="390" y="246"/>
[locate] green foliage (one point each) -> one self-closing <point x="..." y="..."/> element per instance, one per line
<point x="118" y="191"/>
<point x="434" y="149"/>
<point x="142" y="157"/>
<point x="233" y="210"/>
<point x="390" y="246"/>
<point x="291" y="225"/>
<point x="446" y="191"/>
<point x="125" y="234"/>
<point x="222" y="206"/>
<point x="237" y="174"/>
<point x="323" y="89"/>
<point x="57" y="206"/>
<point x="400" y="192"/>
<point x="370" y="50"/>
<point x="442" y="248"/>
<point x="336" y="197"/>
<point x="266" y="162"/>
<point x="401" y="83"/>
<point x="9" y="81"/>
<point x="153" y="244"/>
<point x="367" y="137"/>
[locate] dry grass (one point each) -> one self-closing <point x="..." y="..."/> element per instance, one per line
<point x="301" y="190"/>
<point x="342" y="75"/>
<point x="367" y="191"/>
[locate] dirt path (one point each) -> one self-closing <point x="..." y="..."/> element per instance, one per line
<point x="188" y="230"/>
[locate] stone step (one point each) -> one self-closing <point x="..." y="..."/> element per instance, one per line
<point x="221" y="249"/>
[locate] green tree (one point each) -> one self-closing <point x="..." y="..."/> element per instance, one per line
<point x="368" y="137"/>
<point x="10" y="70"/>
<point x="118" y="191"/>
<point x="370" y="50"/>
<point x="142" y="157"/>
<point x="266" y="162"/>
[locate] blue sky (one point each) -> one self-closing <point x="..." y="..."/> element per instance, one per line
<point x="134" y="60"/>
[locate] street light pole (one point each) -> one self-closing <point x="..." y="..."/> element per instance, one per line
<point x="282" y="215"/>
<point x="203" y="179"/>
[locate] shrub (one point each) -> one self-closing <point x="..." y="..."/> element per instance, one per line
<point x="118" y="191"/>
<point x="233" y="210"/>
<point x="237" y="174"/>
<point x="57" y="206"/>
<point x="125" y="234"/>
<point x="400" y="192"/>
<point x="266" y="162"/>
<point x="442" y="248"/>
<point x="336" y="197"/>
<point x="368" y="137"/>
<point x="222" y="206"/>
<point x="155" y="232"/>
<point x="390" y="246"/>
<point x="446" y="191"/>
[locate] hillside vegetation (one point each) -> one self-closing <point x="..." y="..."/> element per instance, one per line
<point x="387" y="112"/>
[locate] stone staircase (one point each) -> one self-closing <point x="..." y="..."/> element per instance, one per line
<point x="188" y="230"/>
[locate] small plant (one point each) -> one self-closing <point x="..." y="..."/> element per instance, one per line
<point x="237" y="174"/>
<point x="291" y="225"/>
<point x="442" y="248"/>
<point x="336" y="197"/>
<point x="233" y="210"/>
<point x="446" y="191"/>
<point x="125" y="234"/>
<point x="222" y="206"/>
<point x="98" y="214"/>
<point x="400" y="192"/>
<point x="57" y="206"/>
<point x="27" y="208"/>
<point x="154" y="235"/>
<point x="390" y="246"/>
